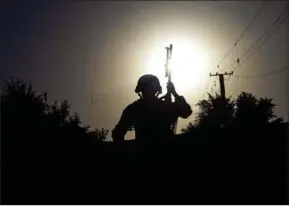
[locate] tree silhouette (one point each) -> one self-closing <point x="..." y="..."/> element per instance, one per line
<point x="20" y="102"/>
<point x="188" y="128"/>
<point x="213" y="113"/>
<point x="246" y="111"/>
<point x="253" y="112"/>
<point x="46" y="147"/>
<point x="29" y="123"/>
<point x="100" y="134"/>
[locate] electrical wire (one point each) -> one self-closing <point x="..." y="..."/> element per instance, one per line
<point x="277" y="24"/>
<point x="207" y="86"/>
<point x="268" y="37"/>
<point x="263" y="38"/>
<point x="260" y="8"/>
<point x="242" y="35"/>
<point x="263" y="75"/>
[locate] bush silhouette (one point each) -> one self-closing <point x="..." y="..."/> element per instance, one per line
<point x="49" y="156"/>
<point x="29" y="123"/>
<point x="245" y="112"/>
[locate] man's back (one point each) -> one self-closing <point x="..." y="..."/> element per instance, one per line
<point x="152" y="119"/>
<point x="150" y="116"/>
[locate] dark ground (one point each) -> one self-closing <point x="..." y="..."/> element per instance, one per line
<point x="219" y="168"/>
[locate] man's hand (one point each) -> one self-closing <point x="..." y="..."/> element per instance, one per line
<point x="171" y="89"/>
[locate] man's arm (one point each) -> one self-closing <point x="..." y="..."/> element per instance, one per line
<point x="122" y="126"/>
<point x="183" y="109"/>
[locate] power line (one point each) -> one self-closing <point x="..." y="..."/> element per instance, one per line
<point x="206" y="88"/>
<point x="241" y="36"/>
<point x="237" y="41"/>
<point x="269" y="35"/>
<point x="269" y="31"/>
<point x="262" y="43"/>
<point x="277" y="23"/>
<point x="263" y="75"/>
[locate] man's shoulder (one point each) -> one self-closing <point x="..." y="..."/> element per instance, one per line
<point x="165" y="103"/>
<point x="133" y="106"/>
<point x="136" y="105"/>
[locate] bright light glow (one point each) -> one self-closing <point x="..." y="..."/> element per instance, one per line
<point x="188" y="66"/>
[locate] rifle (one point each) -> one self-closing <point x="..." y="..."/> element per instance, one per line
<point x="168" y="69"/>
<point x="168" y="96"/>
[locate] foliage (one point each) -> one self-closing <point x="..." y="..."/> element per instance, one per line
<point x="46" y="151"/>
<point x="28" y="119"/>
<point x="251" y="111"/>
<point x="245" y="111"/>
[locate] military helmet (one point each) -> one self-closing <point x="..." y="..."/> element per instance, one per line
<point x="148" y="81"/>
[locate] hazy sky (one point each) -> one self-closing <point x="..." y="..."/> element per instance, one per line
<point x="90" y="49"/>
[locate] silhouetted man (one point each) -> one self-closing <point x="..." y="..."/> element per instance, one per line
<point x="150" y="116"/>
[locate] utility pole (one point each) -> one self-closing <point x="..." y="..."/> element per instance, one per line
<point x="45" y="96"/>
<point x="222" y="107"/>
<point x="222" y="84"/>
